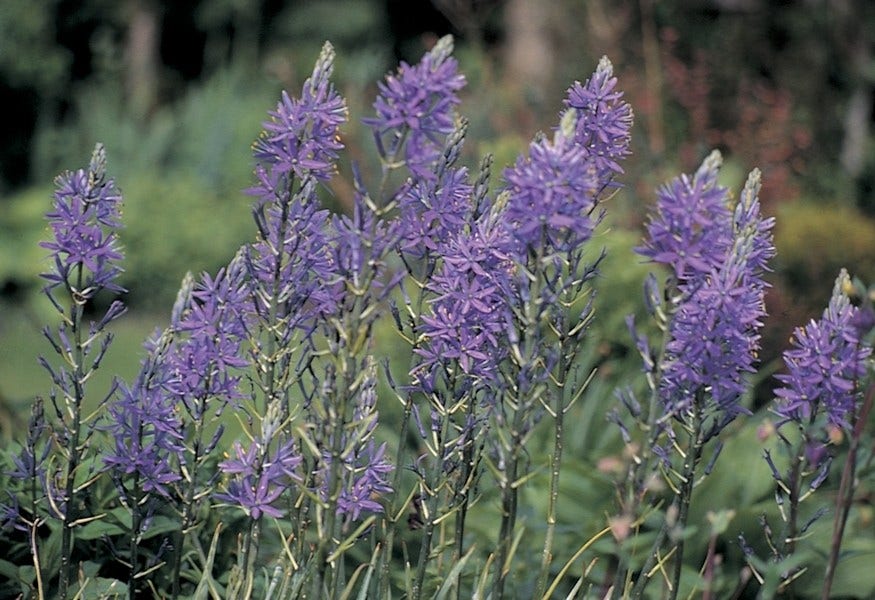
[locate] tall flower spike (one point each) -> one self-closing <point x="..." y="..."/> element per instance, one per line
<point x="824" y="364"/>
<point x="690" y="230"/>
<point x="202" y="361"/>
<point x="469" y="312"/>
<point x="714" y="333"/>
<point x="604" y="121"/>
<point x="143" y="423"/>
<point x="84" y="221"/>
<point x="302" y="136"/>
<point x="552" y="192"/>
<point x="415" y="109"/>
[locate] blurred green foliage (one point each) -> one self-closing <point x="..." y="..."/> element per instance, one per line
<point x="814" y="241"/>
<point x="175" y="226"/>
<point x="183" y="168"/>
<point x="182" y="177"/>
<point x="204" y="136"/>
<point x="29" y="54"/>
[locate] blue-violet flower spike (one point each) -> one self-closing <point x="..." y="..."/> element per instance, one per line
<point x="84" y="223"/>
<point x="824" y="365"/>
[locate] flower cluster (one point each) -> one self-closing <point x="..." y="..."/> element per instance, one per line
<point x="145" y="433"/>
<point x="415" y="109"/>
<point x="302" y="136"/>
<point x="260" y="477"/>
<point x="714" y="333"/>
<point x="433" y="211"/>
<point x="203" y="361"/>
<point x="359" y="245"/>
<point x="689" y="229"/>
<point x="289" y="273"/>
<point x="469" y="312"/>
<point x="309" y="276"/>
<point x="719" y="261"/>
<point x="286" y="334"/>
<point x="825" y="365"/>
<point x="365" y="478"/>
<point x="361" y="475"/>
<point x="604" y="120"/>
<point x="29" y="472"/>
<point x="84" y="221"/>
<point x="290" y="264"/>
<point x="554" y="191"/>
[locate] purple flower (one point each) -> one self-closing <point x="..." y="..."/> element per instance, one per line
<point x="144" y="432"/>
<point x="469" y="311"/>
<point x="203" y="359"/>
<point x="604" y="120"/>
<point x="260" y="477"/>
<point x="824" y="365"/>
<point x="302" y="137"/>
<point x="359" y="245"/>
<point x="713" y="343"/>
<point x="714" y="330"/>
<point x="291" y="264"/>
<point x="552" y="193"/>
<point x="554" y="190"/>
<point x="10" y="515"/>
<point x="84" y="221"/>
<point x="289" y="268"/>
<point x="362" y="471"/>
<point x="30" y="462"/>
<point x="434" y="211"/>
<point x="365" y="477"/>
<point x="690" y="230"/>
<point x="864" y="320"/>
<point x="415" y="109"/>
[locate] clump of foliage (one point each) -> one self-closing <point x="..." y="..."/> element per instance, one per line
<point x="251" y="456"/>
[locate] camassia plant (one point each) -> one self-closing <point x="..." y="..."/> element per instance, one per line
<point x="379" y="404"/>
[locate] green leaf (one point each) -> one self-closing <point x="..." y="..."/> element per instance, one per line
<point x="452" y="576"/>
<point x="121" y="516"/>
<point x="26" y="574"/>
<point x="159" y="526"/>
<point x="102" y="588"/>
<point x="8" y="570"/>
<point x="98" y="529"/>
<point x="854" y="576"/>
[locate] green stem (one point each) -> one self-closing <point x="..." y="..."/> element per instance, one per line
<point x="470" y="459"/>
<point x="329" y="534"/>
<point x="526" y="397"/>
<point x="392" y="527"/>
<point x="268" y="361"/>
<point x="250" y="551"/>
<point x="788" y="540"/>
<point x="509" y="500"/>
<point x="680" y="505"/>
<point x="187" y="517"/>
<point x="645" y="575"/>
<point x="691" y="461"/>
<point x="430" y="492"/>
<point x="845" y="495"/>
<point x="555" y="465"/>
<point x="640" y="470"/>
<point x="136" y="523"/>
<point x="75" y="429"/>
